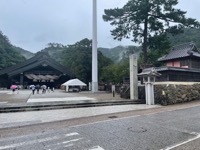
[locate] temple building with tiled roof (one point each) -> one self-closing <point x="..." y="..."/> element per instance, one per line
<point x="40" y="69"/>
<point x="182" y="63"/>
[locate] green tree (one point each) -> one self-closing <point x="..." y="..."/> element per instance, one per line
<point x="142" y="19"/>
<point x="160" y="46"/>
<point x="78" y="57"/>
<point x="8" y="55"/>
<point x="114" y="73"/>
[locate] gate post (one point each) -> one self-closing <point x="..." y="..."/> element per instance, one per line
<point x="133" y="77"/>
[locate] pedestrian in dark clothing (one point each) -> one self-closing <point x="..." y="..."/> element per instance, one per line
<point x="38" y="88"/>
<point x="33" y="89"/>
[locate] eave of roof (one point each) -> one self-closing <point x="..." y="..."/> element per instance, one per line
<point x="37" y="60"/>
<point x="165" y="68"/>
<point x="181" y="51"/>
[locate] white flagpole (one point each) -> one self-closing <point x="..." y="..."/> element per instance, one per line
<point x="94" y="50"/>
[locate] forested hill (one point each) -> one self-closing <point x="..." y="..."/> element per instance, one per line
<point x="23" y="52"/>
<point x="77" y="57"/>
<point x="8" y="54"/>
<point x="189" y="35"/>
<point x="118" y="53"/>
<point x="55" y="50"/>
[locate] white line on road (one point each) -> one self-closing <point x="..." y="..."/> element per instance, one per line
<point x="35" y="141"/>
<point x="182" y="143"/>
<point x="27" y="143"/>
<point x="69" y="145"/>
<point x="74" y="140"/>
<point x="72" y="134"/>
<point x="96" y="148"/>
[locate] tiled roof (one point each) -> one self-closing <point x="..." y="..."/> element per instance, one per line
<point x="39" y="59"/>
<point x="180" y="51"/>
<point x="149" y="72"/>
<point x="165" y="68"/>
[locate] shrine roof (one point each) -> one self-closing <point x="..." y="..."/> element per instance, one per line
<point x="181" y="51"/>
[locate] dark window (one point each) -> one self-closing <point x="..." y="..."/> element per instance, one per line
<point x="185" y="62"/>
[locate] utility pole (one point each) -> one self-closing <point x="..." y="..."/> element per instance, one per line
<point x="94" y="49"/>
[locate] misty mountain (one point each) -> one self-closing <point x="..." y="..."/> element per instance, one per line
<point x="23" y="52"/>
<point x="119" y="53"/>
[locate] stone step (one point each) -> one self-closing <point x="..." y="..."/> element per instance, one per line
<point x="38" y="107"/>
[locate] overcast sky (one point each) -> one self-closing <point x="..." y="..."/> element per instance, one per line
<point x="32" y="24"/>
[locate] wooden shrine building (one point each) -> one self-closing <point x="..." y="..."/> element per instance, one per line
<point x="181" y="64"/>
<point x="40" y="69"/>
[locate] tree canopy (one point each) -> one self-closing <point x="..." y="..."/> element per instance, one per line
<point x="8" y="54"/>
<point x="144" y="20"/>
<point x="78" y="57"/>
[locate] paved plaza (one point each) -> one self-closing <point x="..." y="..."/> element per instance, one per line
<point x="35" y="117"/>
<point x="24" y="96"/>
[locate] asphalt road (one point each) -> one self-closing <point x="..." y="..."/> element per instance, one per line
<point x="177" y="130"/>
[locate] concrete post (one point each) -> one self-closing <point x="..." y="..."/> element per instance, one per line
<point x="133" y="77"/>
<point x="113" y="90"/>
<point x="90" y="86"/>
<point x="149" y="90"/>
<point x="94" y="50"/>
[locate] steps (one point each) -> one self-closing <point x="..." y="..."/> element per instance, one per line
<point x="63" y="105"/>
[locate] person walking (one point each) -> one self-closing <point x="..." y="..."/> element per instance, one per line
<point x="38" y="88"/>
<point x="13" y="87"/>
<point x="44" y="89"/>
<point x="33" y="89"/>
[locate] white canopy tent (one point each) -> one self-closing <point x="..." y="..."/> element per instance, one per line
<point x="73" y="83"/>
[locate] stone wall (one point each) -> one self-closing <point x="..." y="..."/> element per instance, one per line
<point x="174" y="93"/>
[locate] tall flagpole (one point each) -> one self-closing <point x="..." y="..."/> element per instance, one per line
<point x="94" y="49"/>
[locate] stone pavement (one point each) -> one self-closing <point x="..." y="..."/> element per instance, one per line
<point x="16" y="119"/>
<point x="6" y="96"/>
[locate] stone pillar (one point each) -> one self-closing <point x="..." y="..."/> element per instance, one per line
<point x="133" y="77"/>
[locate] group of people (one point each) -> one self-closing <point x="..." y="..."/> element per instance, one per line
<point x="38" y="87"/>
<point x="33" y="88"/>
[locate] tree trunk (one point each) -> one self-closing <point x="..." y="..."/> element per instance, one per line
<point x="144" y="46"/>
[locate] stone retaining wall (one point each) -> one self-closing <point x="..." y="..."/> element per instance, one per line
<point x="173" y="93"/>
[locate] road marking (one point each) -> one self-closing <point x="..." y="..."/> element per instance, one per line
<point x="28" y="143"/>
<point x="182" y="143"/>
<point x="72" y="134"/>
<point x="35" y="141"/>
<point x="74" y="140"/>
<point x="96" y="148"/>
<point x="69" y="145"/>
